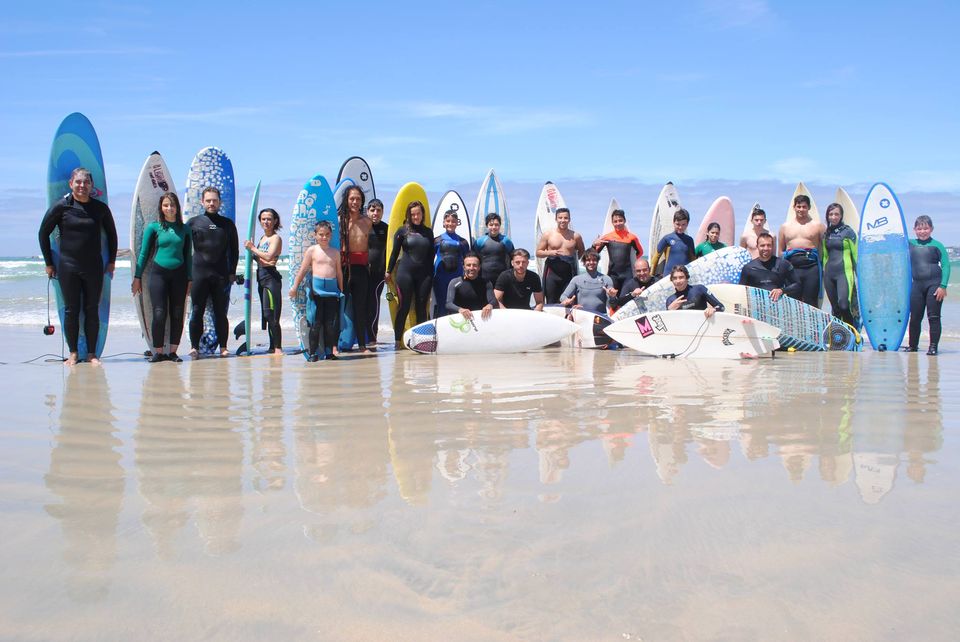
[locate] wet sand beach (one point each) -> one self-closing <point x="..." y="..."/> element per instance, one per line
<point x="545" y="496"/>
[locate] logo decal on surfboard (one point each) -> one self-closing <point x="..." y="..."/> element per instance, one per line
<point x="880" y="222"/>
<point x="726" y="337"/>
<point x="658" y="323"/>
<point x="643" y="325"/>
<point x="884" y="203"/>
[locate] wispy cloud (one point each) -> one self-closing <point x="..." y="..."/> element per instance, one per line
<point x="730" y="14"/>
<point x="833" y="78"/>
<point x="62" y="53"/>
<point x="497" y="120"/>
<point x="795" y="167"/>
<point x="930" y="181"/>
<point x="212" y="116"/>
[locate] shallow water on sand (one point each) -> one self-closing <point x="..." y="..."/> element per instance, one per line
<point x="551" y="495"/>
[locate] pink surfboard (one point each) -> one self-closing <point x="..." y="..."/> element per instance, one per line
<point x="721" y="211"/>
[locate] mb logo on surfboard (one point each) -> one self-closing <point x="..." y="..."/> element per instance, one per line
<point x="880" y="222"/>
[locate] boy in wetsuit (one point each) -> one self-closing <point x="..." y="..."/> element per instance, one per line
<point x="451" y="249"/>
<point x="561" y="248"/>
<point x="930" y="265"/>
<point x="323" y="305"/>
<point x="691" y="297"/>
<point x="493" y="248"/>
<point x="800" y="241"/>
<point x="377" y="262"/>
<point x="677" y="245"/>
<point x="620" y="245"/>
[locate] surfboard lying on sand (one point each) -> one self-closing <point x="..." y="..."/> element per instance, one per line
<point x="506" y="331"/>
<point x="883" y="269"/>
<point x="590" y="326"/>
<point x="803" y="327"/>
<point x="722" y="266"/>
<point x="689" y="334"/>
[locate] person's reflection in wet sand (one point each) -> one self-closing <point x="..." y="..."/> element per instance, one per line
<point x="86" y="475"/>
<point x="924" y="434"/>
<point x="268" y="452"/>
<point x="668" y="444"/>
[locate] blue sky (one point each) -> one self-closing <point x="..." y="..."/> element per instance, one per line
<point x="606" y="99"/>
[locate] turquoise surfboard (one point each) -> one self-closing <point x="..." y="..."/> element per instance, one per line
<point x="247" y="347"/>
<point x="76" y="145"/>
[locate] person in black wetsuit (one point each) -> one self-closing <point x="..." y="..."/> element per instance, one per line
<point x="769" y="272"/>
<point x="471" y="291"/>
<point x="691" y="297"/>
<point x="82" y="220"/>
<point x="377" y="261"/>
<point x="839" y="265"/>
<point x="515" y="286"/>
<point x="169" y="280"/>
<point x="493" y="248"/>
<point x="641" y="280"/>
<point x="930" y="265"/>
<point x="414" y="270"/>
<point x="269" y="282"/>
<point x="621" y="244"/>
<point x="216" y="251"/>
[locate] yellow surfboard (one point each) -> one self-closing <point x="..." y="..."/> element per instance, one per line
<point x="407" y="194"/>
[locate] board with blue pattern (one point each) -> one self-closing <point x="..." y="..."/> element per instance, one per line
<point x="210" y="168"/>
<point x="883" y="269"/>
<point x="75" y="144"/>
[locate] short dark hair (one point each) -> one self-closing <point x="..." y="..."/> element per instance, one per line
<point x="618" y="213"/>
<point x="764" y="235"/>
<point x="471" y="255"/>
<point x="209" y="188"/>
<point x="681" y="215"/>
<point x="375" y="202"/>
<point x="519" y="252"/>
<point x="590" y="253"/>
<point x="561" y="209"/>
<point x="923" y="218"/>
<point x="801" y="198"/>
<point x="323" y="225"/>
<point x="492" y="216"/>
<point x="682" y="269"/>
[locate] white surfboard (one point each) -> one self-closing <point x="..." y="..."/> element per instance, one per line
<point x="490" y="200"/>
<point x="792" y="213"/>
<point x="357" y="169"/>
<point x="720" y="212"/>
<point x="722" y="266"/>
<point x="546" y="218"/>
<point x="748" y="227"/>
<point x="590" y="333"/>
<point x="506" y="331"/>
<point x="604" y="264"/>
<point x="661" y="223"/>
<point x="451" y="201"/>
<point x="154" y="182"/>
<point x="689" y="334"/>
<point x="851" y="216"/>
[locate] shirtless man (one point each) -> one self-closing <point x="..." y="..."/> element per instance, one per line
<point x="324" y="314"/>
<point x="354" y="247"/>
<point x="800" y="241"/>
<point x="562" y="248"/>
<point x="749" y="240"/>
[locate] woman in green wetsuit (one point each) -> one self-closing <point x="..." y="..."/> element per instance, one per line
<point x="712" y="244"/>
<point x="930" y="265"/>
<point x="171" y="275"/>
<point x="839" y="252"/>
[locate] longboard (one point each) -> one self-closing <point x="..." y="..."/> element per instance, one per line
<point x="249" y="333"/>
<point x="546" y="217"/>
<point x="720" y="212"/>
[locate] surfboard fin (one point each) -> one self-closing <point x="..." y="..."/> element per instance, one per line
<point x="240" y="330"/>
<point x="242" y="350"/>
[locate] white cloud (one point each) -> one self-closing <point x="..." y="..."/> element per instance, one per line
<point x="795" y="167"/>
<point x="498" y="120"/>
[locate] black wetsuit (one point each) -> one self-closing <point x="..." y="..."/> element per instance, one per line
<point x="412" y="273"/>
<point x="930" y="266"/>
<point x="624" y="295"/>
<point x="447" y="266"/>
<point x="558" y="271"/>
<point x="80" y="269"/>
<point x="270" y="289"/>
<point x="697" y="298"/>
<point x="494" y="255"/>
<point x="772" y="274"/>
<point x="516" y="294"/>
<point x="839" y="263"/>
<point x="377" y="260"/>
<point x="620" y="255"/>
<point x="472" y="294"/>
<point x="806" y="269"/>
<point x="215" y="255"/>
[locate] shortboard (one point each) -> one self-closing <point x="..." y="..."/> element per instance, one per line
<point x="546" y="217"/>
<point x="357" y="169"/>
<point x="690" y="334"/>
<point x="792" y="213"/>
<point x="722" y="266"/>
<point x="883" y="269"/>
<point x="314" y="204"/>
<point x="506" y="331"/>
<point x="748" y="226"/>
<point x="590" y="327"/>
<point x="451" y="201"/>
<point x="248" y="328"/>
<point x="490" y="200"/>
<point x="154" y="181"/>
<point x="407" y="194"/>
<point x="604" y="264"/>
<point x="210" y="168"/>
<point x="802" y="327"/>
<point x="720" y="212"/>
<point x="661" y="223"/>
<point x="75" y="144"/>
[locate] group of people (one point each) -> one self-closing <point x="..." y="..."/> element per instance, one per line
<point x="199" y="258"/>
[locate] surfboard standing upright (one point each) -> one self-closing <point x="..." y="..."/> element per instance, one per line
<point x="76" y="145"/>
<point x="210" y="168"/>
<point x="248" y="344"/>
<point x="604" y="264"/>
<point x="314" y="203"/>
<point x="721" y="213"/>
<point x="153" y="182"/>
<point x="546" y="218"/>
<point x="358" y="171"/>
<point x="852" y="218"/>
<point x="490" y="200"/>
<point x="407" y="194"/>
<point x="661" y="223"/>
<point x="883" y="269"/>
<point x="348" y="333"/>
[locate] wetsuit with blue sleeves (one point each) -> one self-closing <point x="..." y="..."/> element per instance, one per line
<point x="494" y="255"/>
<point x="412" y="273"/>
<point x="930" y="265"/>
<point x="590" y="290"/>
<point x="679" y="248"/>
<point x="81" y="267"/>
<point x="172" y="270"/>
<point x="697" y="297"/>
<point x="447" y="266"/>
